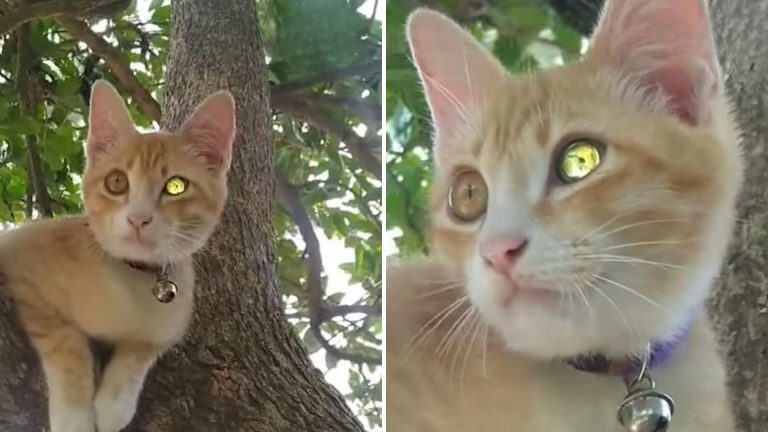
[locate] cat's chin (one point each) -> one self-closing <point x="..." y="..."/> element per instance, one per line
<point x="146" y="253"/>
<point x="530" y="320"/>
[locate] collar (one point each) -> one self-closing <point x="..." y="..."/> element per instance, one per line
<point x="659" y="353"/>
<point x="144" y="266"/>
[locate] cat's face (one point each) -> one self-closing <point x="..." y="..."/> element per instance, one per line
<point x="156" y="197"/>
<point x="588" y="212"/>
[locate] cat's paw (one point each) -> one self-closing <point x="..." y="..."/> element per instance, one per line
<point x="114" y="410"/>
<point x="73" y="420"/>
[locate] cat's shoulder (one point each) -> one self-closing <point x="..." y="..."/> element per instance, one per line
<point x="65" y="230"/>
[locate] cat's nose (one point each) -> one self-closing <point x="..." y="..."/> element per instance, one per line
<point x="502" y="252"/>
<point x="139" y="221"/>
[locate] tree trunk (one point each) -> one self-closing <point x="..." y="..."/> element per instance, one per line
<point x="241" y="367"/>
<point x="739" y="305"/>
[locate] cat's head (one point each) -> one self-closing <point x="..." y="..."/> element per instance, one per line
<point x="156" y="197"/>
<point x="590" y="205"/>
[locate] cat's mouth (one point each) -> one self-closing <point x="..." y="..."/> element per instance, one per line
<point x="141" y="240"/>
<point x="514" y="292"/>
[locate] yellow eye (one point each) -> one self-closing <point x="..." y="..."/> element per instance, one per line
<point x="116" y="182"/>
<point x="578" y="160"/>
<point x="468" y="196"/>
<point x="176" y="186"/>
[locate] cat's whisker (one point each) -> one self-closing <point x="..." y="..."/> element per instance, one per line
<point x="451" y="287"/>
<point x="629" y="290"/>
<point x="583" y="296"/>
<point x="638" y="224"/>
<point x="441" y="281"/>
<point x="621" y="314"/>
<point x="464" y="330"/>
<point x="447" y="339"/>
<point x="646" y="243"/>
<point x="434" y="323"/>
<point x="478" y="325"/>
<point x="600" y="227"/>
<point x="629" y="260"/>
<point x="485" y="349"/>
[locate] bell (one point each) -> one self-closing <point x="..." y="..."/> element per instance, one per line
<point x="164" y="290"/>
<point x="646" y="410"/>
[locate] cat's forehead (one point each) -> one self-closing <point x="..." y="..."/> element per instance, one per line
<point x="516" y="122"/>
<point x="150" y="153"/>
<point x="532" y="113"/>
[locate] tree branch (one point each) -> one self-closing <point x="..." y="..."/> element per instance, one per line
<point x="290" y="199"/>
<point x="365" y="69"/>
<point x="304" y="107"/>
<point x="580" y="15"/>
<point x="28" y="100"/>
<point x="368" y="111"/>
<point x="29" y="11"/>
<point x="341" y="310"/>
<point x="29" y="200"/>
<point x="112" y="57"/>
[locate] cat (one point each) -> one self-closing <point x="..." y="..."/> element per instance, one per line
<point x="151" y="200"/>
<point x="579" y="216"/>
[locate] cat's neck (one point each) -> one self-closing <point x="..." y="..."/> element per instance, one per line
<point x="657" y="354"/>
<point x="146" y="266"/>
<point x="142" y="266"/>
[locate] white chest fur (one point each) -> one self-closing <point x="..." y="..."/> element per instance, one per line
<point x="124" y="308"/>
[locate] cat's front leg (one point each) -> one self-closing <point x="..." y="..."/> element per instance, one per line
<point x="118" y="392"/>
<point x="68" y="366"/>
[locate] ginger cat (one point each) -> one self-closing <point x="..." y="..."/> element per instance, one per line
<point x="579" y="213"/>
<point x="151" y="201"/>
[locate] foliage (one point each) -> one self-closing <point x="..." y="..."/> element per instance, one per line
<point x="325" y="94"/>
<point x="523" y="34"/>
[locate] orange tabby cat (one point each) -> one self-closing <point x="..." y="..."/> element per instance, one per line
<point x="151" y="201"/>
<point x="579" y="217"/>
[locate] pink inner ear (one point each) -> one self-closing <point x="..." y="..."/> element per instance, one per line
<point x="211" y="129"/>
<point x="109" y="121"/>
<point x="666" y="45"/>
<point x="680" y="92"/>
<point x="456" y="71"/>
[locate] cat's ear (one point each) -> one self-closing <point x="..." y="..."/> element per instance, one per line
<point x="109" y="121"/>
<point x="211" y="129"/>
<point x="665" y="46"/>
<point x="456" y="71"/>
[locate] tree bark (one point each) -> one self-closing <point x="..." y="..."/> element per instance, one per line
<point x="241" y="367"/>
<point x="739" y="305"/>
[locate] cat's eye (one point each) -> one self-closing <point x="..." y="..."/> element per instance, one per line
<point x="116" y="182"/>
<point x="468" y="196"/>
<point x="176" y="186"/>
<point x="577" y="160"/>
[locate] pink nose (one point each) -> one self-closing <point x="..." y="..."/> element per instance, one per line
<point x="139" y="221"/>
<point x="502" y="252"/>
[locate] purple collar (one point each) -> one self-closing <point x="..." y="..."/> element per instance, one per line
<point x="628" y="367"/>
